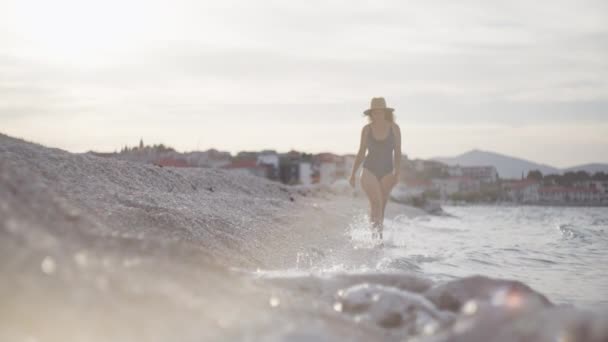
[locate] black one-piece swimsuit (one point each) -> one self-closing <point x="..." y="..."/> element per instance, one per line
<point x="379" y="158"/>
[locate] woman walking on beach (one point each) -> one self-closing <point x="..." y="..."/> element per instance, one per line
<point x="381" y="138"/>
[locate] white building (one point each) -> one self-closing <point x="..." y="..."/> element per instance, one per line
<point x="455" y="171"/>
<point x="269" y="158"/>
<point x="553" y="194"/>
<point x="330" y="167"/>
<point x="560" y="194"/>
<point x="599" y="185"/>
<point x="485" y="174"/>
<point x="524" y="191"/>
<point x="305" y="173"/>
<point x="447" y="187"/>
<point x="584" y="195"/>
<point x="452" y="185"/>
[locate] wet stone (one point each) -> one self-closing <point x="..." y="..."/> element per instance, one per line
<point x="455" y="294"/>
<point x="391" y="308"/>
<point x="548" y="324"/>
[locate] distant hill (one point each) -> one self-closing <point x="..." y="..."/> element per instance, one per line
<point x="508" y="167"/>
<point x="591" y="168"/>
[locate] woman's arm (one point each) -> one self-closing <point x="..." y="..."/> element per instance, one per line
<point x="361" y="153"/>
<point x="397" y="154"/>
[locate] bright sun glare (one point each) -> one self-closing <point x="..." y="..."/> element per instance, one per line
<point x="83" y="33"/>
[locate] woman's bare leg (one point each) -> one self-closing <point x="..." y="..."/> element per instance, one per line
<point x="373" y="190"/>
<point x="386" y="185"/>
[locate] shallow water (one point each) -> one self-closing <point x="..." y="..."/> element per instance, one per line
<point x="560" y="252"/>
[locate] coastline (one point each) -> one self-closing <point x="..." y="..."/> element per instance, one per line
<point x="96" y="249"/>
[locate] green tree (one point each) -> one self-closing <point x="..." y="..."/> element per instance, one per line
<point x="535" y="175"/>
<point x="600" y="176"/>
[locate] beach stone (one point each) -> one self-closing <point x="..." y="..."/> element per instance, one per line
<point x="390" y="308"/>
<point x="552" y="324"/>
<point x="454" y="294"/>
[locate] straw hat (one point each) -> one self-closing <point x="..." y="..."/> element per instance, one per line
<point x="378" y="103"/>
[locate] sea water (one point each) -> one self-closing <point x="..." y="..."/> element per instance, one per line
<point x="561" y="252"/>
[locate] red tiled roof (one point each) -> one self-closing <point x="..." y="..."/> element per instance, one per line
<point x="552" y="189"/>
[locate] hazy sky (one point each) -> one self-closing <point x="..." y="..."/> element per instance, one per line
<point x="525" y="78"/>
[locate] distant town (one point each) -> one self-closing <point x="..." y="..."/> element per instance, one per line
<point x="420" y="180"/>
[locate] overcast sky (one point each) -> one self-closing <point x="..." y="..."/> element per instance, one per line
<point x="524" y="78"/>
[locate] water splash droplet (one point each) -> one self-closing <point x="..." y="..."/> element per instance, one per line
<point x="274" y="302"/>
<point x="430" y="328"/>
<point x="81" y="259"/>
<point x="338" y="307"/>
<point x="470" y="307"/>
<point x="508" y="298"/>
<point x="48" y="265"/>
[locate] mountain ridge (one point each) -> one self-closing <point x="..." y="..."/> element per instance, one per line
<point x="514" y="167"/>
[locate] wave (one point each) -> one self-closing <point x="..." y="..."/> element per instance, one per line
<point x="569" y="232"/>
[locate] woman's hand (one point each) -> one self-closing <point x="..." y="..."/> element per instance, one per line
<point x="351" y="181"/>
